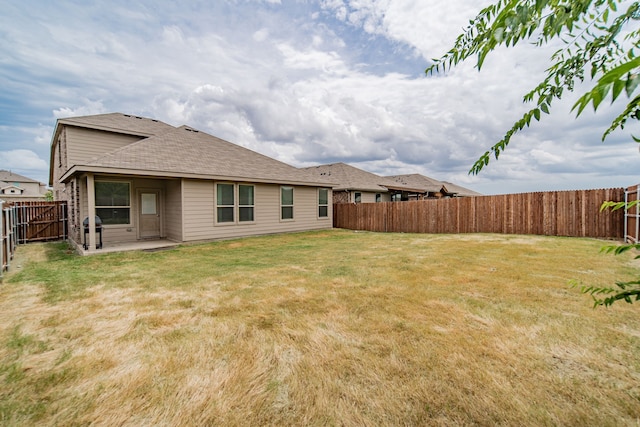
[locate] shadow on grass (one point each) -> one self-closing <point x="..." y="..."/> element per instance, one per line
<point x="55" y="251"/>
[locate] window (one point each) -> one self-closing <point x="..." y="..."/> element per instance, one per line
<point x="378" y="197"/>
<point x="286" y="202"/>
<point x="357" y="197"/>
<point x="234" y="203"/>
<point x="113" y="202"/>
<point x="225" y="202"/>
<point x="323" y="203"/>
<point x="245" y="203"/>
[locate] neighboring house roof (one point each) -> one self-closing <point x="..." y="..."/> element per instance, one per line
<point x="11" y="177"/>
<point x="187" y="152"/>
<point x="460" y="191"/>
<point x="416" y="180"/>
<point x="348" y="177"/>
<point x="433" y="185"/>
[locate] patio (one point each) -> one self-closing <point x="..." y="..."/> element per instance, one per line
<point x="140" y="245"/>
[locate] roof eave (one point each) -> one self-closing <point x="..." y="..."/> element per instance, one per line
<point x="163" y="174"/>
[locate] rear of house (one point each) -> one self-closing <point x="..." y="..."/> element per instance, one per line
<point x="145" y="179"/>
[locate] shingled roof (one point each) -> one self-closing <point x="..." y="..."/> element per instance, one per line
<point x="11" y="177"/>
<point x="460" y="191"/>
<point x="187" y="152"/>
<point x="422" y="182"/>
<point x="119" y="123"/>
<point x="433" y="185"/>
<point x="348" y="177"/>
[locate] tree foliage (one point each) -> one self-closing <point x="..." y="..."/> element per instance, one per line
<point x="626" y="291"/>
<point x="598" y="40"/>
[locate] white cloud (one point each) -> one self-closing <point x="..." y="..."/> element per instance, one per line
<point x="292" y="81"/>
<point x="22" y="160"/>
<point x="89" y="108"/>
<point x="261" y="35"/>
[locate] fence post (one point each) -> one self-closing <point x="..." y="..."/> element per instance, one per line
<point x="7" y="214"/>
<point x="2" y="239"/>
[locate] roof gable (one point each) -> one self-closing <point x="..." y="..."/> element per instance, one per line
<point x="8" y="189"/>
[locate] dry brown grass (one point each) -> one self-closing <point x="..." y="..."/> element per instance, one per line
<point x="326" y="328"/>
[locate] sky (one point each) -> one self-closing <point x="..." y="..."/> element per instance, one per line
<point x="305" y="82"/>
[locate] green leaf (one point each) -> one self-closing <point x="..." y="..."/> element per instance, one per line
<point x="618" y="85"/>
<point x="632" y="84"/>
<point x="544" y="108"/>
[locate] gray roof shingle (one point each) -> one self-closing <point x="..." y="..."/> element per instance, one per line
<point x="418" y="181"/>
<point x="120" y="123"/>
<point x="11" y="177"/>
<point x="348" y="177"/>
<point x="187" y="151"/>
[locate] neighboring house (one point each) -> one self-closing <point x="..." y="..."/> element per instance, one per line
<point x="432" y="188"/>
<point x="460" y="191"/>
<point x="146" y="179"/>
<point x="18" y="188"/>
<point x="353" y="185"/>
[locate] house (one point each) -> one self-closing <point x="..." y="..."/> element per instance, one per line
<point x="145" y="179"/>
<point x="353" y="185"/>
<point x="433" y="189"/>
<point x="459" y="191"/>
<point x="18" y="188"/>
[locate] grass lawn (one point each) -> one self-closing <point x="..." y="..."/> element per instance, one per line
<point x="322" y="328"/>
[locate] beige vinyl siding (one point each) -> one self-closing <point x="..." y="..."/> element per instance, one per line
<point x="199" y="211"/>
<point x="83" y="145"/>
<point x="59" y="166"/>
<point x="386" y="197"/>
<point x="173" y="210"/>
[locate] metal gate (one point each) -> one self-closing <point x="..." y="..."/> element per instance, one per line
<point x="631" y="215"/>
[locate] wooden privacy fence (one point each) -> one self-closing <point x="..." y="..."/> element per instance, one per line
<point x="40" y="221"/>
<point x="556" y="213"/>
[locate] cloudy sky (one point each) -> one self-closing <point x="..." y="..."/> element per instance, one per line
<point x="306" y="82"/>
